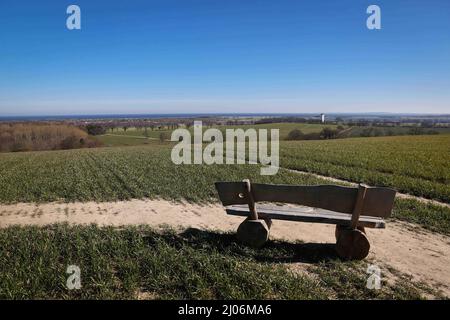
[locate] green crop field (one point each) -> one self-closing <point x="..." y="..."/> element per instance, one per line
<point x="139" y="263"/>
<point x="147" y="171"/>
<point x="139" y="132"/>
<point x="113" y="140"/>
<point x="419" y="165"/>
<point x="358" y="131"/>
<point x="118" y="173"/>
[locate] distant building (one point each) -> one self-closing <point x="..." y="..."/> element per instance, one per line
<point x="322" y="117"/>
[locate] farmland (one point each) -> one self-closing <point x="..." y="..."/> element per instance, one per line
<point x="238" y="153"/>
<point x="371" y="131"/>
<point x="118" y="174"/>
<point x="419" y="165"/>
<point x="113" y="140"/>
<point x="109" y="174"/>
<point x="139" y="263"/>
<point x="284" y="128"/>
<point x="135" y="134"/>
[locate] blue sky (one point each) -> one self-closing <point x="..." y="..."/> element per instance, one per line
<point x="182" y="56"/>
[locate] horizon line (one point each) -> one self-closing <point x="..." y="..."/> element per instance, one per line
<point x="223" y="114"/>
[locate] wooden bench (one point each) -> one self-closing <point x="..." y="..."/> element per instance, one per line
<point x="351" y="209"/>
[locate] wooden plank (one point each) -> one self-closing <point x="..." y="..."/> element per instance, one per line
<point x="357" y="209"/>
<point x="231" y="192"/>
<point x="300" y="209"/>
<point x="315" y="216"/>
<point x="329" y="197"/>
<point x="378" y="202"/>
<point x="251" y="200"/>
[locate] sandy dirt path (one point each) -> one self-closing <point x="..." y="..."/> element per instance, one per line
<point x="406" y="247"/>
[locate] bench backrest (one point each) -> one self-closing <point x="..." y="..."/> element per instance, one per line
<point x="376" y="202"/>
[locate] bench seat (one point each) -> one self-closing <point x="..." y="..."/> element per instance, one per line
<point x="306" y="214"/>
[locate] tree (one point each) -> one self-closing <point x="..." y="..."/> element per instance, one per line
<point x="295" y="135"/>
<point x="162" y="137"/>
<point x="95" y="129"/>
<point x="71" y="142"/>
<point x="328" y="133"/>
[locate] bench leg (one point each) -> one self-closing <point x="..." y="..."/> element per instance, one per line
<point x="340" y="228"/>
<point x="253" y="233"/>
<point x="351" y="244"/>
<point x="268" y="222"/>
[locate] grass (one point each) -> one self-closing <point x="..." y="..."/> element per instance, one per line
<point x="432" y="217"/>
<point x="284" y="128"/>
<point x="117" y="174"/>
<point x="435" y="218"/>
<point x="137" y="132"/>
<point x="118" y="140"/>
<point x="109" y="174"/>
<point x="358" y="131"/>
<point x="348" y="281"/>
<point x="135" y="262"/>
<point x="419" y="165"/>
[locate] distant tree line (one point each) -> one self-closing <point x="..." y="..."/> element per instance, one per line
<point x="350" y="122"/>
<point x="288" y="120"/>
<point x="326" y="133"/>
<point x="15" y="137"/>
<point x="339" y="133"/>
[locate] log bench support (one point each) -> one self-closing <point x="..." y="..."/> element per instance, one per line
<point x="253" y="232"/>
<point x="350" y="209"/>
<point x="351" y="242"/>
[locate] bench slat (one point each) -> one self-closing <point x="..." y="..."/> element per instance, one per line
<point x="306" y="215"/>
<point x="377" y="203"/>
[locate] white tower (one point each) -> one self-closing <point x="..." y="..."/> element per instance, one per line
<point x="322" y="117"/>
